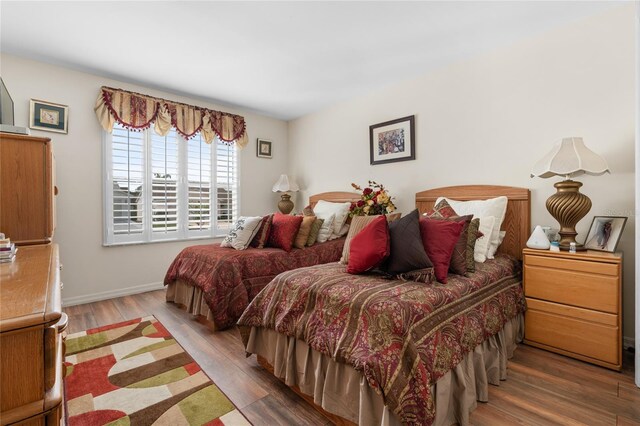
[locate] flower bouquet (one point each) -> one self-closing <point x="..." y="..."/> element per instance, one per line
<point x="375" y="200"/>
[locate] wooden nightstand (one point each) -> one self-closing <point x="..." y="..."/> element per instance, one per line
<point x="574" y="304"/>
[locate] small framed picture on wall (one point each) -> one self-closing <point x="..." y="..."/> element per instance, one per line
<point x="264" y="148"/>
<point x="392" y="141"/>
<point x="48" y="116"/>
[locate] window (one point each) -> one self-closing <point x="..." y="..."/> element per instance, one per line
<point x="162" y="188"/>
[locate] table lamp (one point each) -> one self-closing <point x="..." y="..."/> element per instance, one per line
<point x="284" y="185"/>
<point x="569" y="157"/>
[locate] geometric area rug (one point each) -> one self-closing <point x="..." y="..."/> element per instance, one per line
<point x="135" y="373"/>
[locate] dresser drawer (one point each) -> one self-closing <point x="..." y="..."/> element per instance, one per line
<point x="576" y="288"/>
<point x="580" y="331"/>
<point x="573" y="265"/>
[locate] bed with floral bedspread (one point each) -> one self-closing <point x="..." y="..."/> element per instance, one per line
<point x="229" y="279"/>
<point x="401" y="336"/>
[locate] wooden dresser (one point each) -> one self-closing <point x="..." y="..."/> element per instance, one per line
<point x="31" y="342"/>
<point x="574" y="304"/>
<point x="27" y="189"/>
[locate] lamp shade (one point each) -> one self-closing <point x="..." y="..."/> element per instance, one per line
<point x="570" y="157"/>
<point x="284" y="184"/>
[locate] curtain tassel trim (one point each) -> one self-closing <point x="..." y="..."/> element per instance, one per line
<point x="137" y="112"/>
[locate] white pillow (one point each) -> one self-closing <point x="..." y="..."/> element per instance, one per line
<point x="242" y="232"/>
<point x="482" y="243"/>
<point x="496" y="207"/>
<point x="326" y="230"/>
<point x="324" y="209"/>
<point x="492" y="251"/>
<point x="343" y="232"/>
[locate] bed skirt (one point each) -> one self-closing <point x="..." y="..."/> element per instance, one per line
<point x="191" y="297"/>
<point x="340" y="389"/>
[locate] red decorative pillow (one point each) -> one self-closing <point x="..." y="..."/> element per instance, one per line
<point x="262" y="235"/>
<point x="439" y="238"/>
<point x="284" y="229"/>
<point x="370" y="247"/>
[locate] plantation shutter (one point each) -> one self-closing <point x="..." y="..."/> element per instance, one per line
<point x="164" y="182"/>
<point x="127" y="159"/>
<point x="199" y="159"/>
<point x="161" y="188"/>
<point x="226" y="182"/>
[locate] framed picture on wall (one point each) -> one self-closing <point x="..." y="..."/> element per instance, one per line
<point x="264" y="148"/>
<point x="604" y="233"/>
<point x="48" y="116"/>
<point x="392" y="141"/>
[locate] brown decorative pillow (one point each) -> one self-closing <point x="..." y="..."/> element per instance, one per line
<point x="303" y="232"/>
<point x="458" y="263"/>
<point x="472" y="235"/>
<point x="407" y="251"/>
<point x="313" y="232"/>
<point x="358" y="223"/>
<point x="262" y="235"/>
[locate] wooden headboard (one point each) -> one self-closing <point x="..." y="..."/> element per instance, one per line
<point x="517" y="221"/>
<point x="334" y="197"/>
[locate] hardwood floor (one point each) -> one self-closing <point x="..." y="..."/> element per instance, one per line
<point x="542" y="388"/>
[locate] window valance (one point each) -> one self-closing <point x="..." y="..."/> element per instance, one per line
<point x="136" y="112"/>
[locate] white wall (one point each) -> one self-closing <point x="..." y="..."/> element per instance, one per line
<point x="489" y="119"/>
<point x="92" y="271"/>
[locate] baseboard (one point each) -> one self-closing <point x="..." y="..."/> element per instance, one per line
<point x="628" y="342"/>
<point x="110" y="294"/>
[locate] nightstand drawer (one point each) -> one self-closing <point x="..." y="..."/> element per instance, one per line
<point x="573" y="265"/>
<point x="579" y="331"/>
<point x="582" y="289"/>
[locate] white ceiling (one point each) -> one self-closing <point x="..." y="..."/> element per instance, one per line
<point x="283" y="59"/>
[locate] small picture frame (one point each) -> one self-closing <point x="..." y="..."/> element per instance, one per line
<point x="392" y="141"/>
<point x="604" y="233"/>
<point x="263" y="148"/>
<point x="48" y="116"/>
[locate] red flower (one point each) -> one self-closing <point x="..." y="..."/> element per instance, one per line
<point x="367" y="191"/>
<point x="360" y="203"/>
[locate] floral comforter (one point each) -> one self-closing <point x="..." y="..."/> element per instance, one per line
<point x="230" y="279"/>
<point x="403" y="336"/>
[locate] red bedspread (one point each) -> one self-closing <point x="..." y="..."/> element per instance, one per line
<point x="403" y="336"/>
<point x="230" y="278"/>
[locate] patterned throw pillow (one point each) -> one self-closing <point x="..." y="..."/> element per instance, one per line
<point x="407" y="251"/>
<point x="303" y="232"/>
<point x="473" y="233"/>
<point x="458" y="263"/>
<point x="442" y="210"/>
<point x="284" y="229"/>
<point x="242" y="232"/>
<point x="313" y="232"/>
<point x="262" y="235"/>
<point x="357" y="224"/>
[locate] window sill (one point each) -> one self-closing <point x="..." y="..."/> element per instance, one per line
<point x="173" y="240"/>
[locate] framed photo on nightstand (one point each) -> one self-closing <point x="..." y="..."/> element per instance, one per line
<point x="604" y="233"/>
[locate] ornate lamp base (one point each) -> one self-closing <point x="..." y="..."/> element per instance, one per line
<point x="285" y="205"/>
<point x="568" y="205"/>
